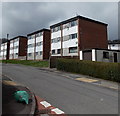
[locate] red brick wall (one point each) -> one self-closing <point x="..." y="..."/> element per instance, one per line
<point x="23" y="47"/>
<point x="46" y="44"/>
<point x="92" y="35"/>
<point x="8" y="50"/>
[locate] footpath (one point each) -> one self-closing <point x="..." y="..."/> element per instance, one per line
<point x="85" y="79"/>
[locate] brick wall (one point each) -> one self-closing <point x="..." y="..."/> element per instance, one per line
<point x="46" y="44"/>
<point x="92" y="35"/>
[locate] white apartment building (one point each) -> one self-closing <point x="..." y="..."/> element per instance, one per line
<point x="69" y="40"/>
<point x="114" y="45"/>
<point x="17" y="47"/>
<point x="70" y="36"/>
<point x="4" y="51"/>
<point x="38" y="45"/>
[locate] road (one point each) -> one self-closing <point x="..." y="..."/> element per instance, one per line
<point x="73" y="97"/>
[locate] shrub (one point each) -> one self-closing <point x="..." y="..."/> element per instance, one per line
<point x="103" y="70"/>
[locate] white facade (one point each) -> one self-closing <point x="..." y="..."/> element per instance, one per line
<point x="3" y="51"/>
<point x="113" y="46"/>
<point x="65" y="39"/>
<point x="35" y="47"/>
<point x="14" y="49"/>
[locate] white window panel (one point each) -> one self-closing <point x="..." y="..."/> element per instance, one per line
<point x="16" y="43"/>
<point x="71" y="30"/>
<point x="39" y="48"/>
<point x="39" y="39"/>
<point x="1" y="53"/>
<point x="70" y="43"/>
<point x="55" y="34"/>
<point x="15" y="50"/>
<point x="30" y="50"/>
<point x="56" y="45"/>
<point x="31" y="41"/>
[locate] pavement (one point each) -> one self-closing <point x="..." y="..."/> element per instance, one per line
<point x="85" y="78"/>
<point x="9" y="105"/>
<point x="68" y="92"/>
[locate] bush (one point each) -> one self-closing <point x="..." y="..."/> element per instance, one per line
<point x="103" y="70"/>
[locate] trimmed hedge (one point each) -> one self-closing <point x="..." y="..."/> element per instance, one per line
<point x="103" y="70"/>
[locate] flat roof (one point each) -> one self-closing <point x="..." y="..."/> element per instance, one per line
<point x="75" y="18"/>
<point x="35" y="32"/>
<point x="101" y="49"/>
<point x="18" y="37"/>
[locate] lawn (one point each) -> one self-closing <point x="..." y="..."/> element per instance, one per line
<point x="28" y="62"/>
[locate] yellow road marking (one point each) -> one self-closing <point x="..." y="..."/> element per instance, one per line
<point x="10" y="83"/>
<point x="86" y="80"/>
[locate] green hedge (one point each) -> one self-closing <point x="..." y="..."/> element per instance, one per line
<point x="103" y="70"/>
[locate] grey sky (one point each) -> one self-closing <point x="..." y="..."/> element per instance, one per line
<point x="23" y="18"/>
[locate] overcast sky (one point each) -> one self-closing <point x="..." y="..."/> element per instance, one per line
<point x="23" y="18"/>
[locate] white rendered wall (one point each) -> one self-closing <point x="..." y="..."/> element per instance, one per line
<point x="81" y="55"/>
<point x="31" y="41"/>
<point x="115" y="47"/>
<point x="71" y="30"/>
<point x="70" y="43"/>
<point x="30" y="50"/>
<point x="56" y="34"/>
<point x="39" y="48"/>
<point x="16" y="50"/>
<point x="93" y="55"/>
<point x="39" y="39"/>
<point x="58" y="44"/>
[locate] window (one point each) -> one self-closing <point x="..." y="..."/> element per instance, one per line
<point x="38" y="44"/>
<point x="106" y="55"/>
<point x="29" y="37"/>
<point x="33" y="36"/>
<point x="58" y="51"/>
<point x="37" y="35"/>
<point x="40" y="52"/>
<point x="29" y="54"/>
<point x="53" y="51"/>
<point x="41" y="43"/>
<point x="66" y="26"/>
<point x="73" y="36"/>
<point x="73" y="50"/>
<point x="36" y="53"/>
<point x="58" y="39"/>
<point x="30" y="45"/>
<point x="16" y="47"/>
<point x="55" y="29"/>
<point x="55" y="40"/>
<point x="73" y="23"/>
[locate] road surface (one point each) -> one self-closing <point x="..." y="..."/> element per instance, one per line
<point x="72" y="97"/>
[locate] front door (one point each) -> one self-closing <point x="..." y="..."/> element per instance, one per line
<point x="115" y="57"/>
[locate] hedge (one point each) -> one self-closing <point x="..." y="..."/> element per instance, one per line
<point x="103" y="70"/>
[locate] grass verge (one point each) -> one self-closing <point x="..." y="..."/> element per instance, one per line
<point x="28" y="62"/>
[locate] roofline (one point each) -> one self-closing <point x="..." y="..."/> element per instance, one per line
<point x="5" y="42"/>
<point x="38" y="31"/>
<point x="113" y="43"/>
<point x="101" y="49"/>
<point x="18" y="37"/>
<point x="75" y="18"/>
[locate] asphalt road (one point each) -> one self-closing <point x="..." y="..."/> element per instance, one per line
<point x="73" y="97"/>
